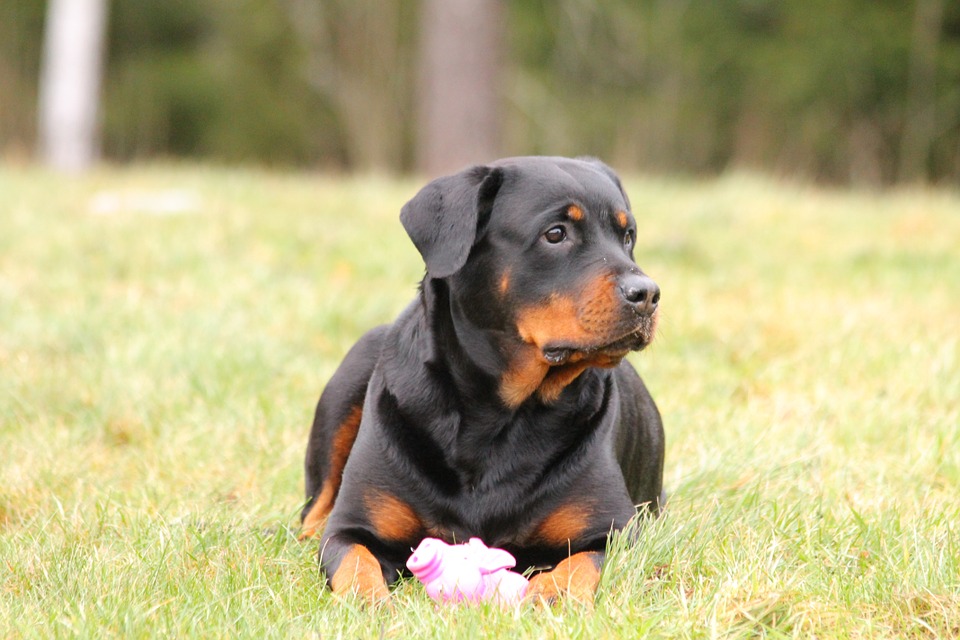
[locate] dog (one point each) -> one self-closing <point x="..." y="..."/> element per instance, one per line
<point x="498" y="405"/>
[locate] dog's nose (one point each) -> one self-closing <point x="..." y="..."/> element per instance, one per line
<point x="640" y="291"/>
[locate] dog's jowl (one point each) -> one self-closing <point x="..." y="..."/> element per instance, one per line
<point x="498" y="404"/>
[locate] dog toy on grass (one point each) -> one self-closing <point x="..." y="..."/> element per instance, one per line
<point x="468" y="572"/>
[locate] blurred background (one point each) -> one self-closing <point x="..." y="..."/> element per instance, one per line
<point x="861" y="92"/>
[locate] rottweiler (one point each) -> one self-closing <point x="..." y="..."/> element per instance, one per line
<point x="498" y="404"/>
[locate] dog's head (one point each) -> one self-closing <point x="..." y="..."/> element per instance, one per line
<point x="540" y="252"/>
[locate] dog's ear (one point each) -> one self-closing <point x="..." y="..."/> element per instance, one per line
<point x="610" y="173"/>
<point x="447" y="216"/>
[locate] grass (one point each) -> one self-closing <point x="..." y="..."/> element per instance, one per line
<point x="158" y="375"/>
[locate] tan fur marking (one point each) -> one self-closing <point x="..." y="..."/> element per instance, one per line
<point x="561" y="318"/>
<point x="392" y="519"/>
<point x="529" y="375"/>
<point x="576" y="577"/>
<point x="622" y="219"/>
<point x="600" y="309"/>
<point x="342" y="443"/>
<point x="318" y="513"/>
<point x="505" y="282"/>
<point x="360" y="573"/>
<point x="558" y="378"/>
<point x="575" y="213"/>
<point x="526" y="373"/>
<point x="556" y="319"/>
<point x="563" y="525"/>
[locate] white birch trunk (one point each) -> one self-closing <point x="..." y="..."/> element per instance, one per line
<point x="70" y="83"/>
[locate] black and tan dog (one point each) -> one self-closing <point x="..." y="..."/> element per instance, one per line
<point x="498" y="404"/>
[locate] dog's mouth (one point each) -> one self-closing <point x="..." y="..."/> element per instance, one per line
<point x="611" y="351"/>
<point x="558" y="350"/>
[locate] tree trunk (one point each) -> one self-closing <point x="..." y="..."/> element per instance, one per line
<point x="460" y="69"/>
<point x="355" y="58"/>
<point x="920" y="123"/>
<point x="70" y="83"/>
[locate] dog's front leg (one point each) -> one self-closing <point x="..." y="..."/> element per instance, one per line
<point x="351" y="568"/>
<point x="577" y="577"/>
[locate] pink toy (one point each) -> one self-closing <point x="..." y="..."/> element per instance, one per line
<point x="467" y="572"/>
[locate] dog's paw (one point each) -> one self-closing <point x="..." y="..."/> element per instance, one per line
<point x="575" y="578"/>
<point x="359" y="575"/>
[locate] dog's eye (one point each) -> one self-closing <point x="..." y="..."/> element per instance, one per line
<point x="629" y="238"/>
<point x="555" y="235"/>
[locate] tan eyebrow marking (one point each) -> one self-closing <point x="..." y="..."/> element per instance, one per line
<point x="575" y="213"/>
<point x="622" y="219"/>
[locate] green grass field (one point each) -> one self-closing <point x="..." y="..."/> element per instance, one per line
<point x="158" y="374"/>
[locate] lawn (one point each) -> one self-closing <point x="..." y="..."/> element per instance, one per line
<point x="165" y="332"/>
